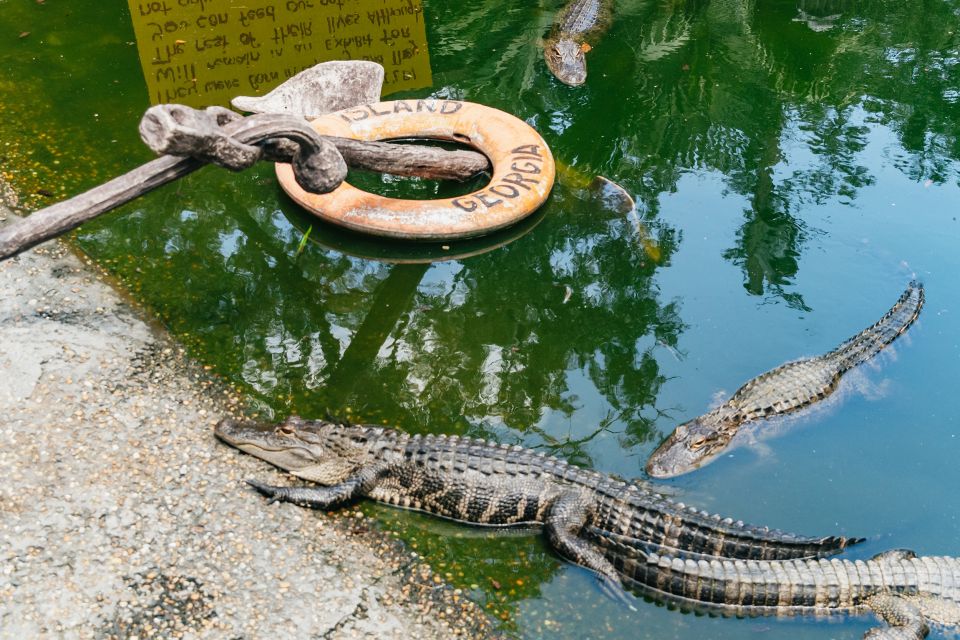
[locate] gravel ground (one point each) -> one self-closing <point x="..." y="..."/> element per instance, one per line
<point x="122" y="516"/>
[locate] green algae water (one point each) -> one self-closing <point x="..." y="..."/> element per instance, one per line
<point x="795" y="164"/>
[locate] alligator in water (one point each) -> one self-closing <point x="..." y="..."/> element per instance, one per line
<point x="787" y="388"/>
<point x="908" y="592"/>
<point x="565" y="49"/>
<point x="483" y="483"/>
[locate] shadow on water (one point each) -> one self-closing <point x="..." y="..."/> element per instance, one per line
<point x="746" y="129"/>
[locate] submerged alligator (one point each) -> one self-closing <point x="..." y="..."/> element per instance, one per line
<point x="908" y="592"/>
<point x="787" y="388"/>
<point x="565" y="49"/>
<point x="481" y="483"/>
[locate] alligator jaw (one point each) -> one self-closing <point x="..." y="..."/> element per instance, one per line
<point x="566" y="61"/>
<point x="279" y="444"/>
<point x="250" y="436"/>
<point x="690" y="446"/>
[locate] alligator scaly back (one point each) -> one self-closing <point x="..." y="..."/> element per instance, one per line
<point x="871" y="340"/>
<point x="789" y="387"/>
<point x="636" y="517"/>
<point x="484" y="483"/>
<point x="907" y="591"/>
<point x="569" y="39"/>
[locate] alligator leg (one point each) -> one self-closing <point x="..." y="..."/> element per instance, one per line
<point x="568" y="515"/>
<point x="905" y="620"/>
<point x="355" y="486"/>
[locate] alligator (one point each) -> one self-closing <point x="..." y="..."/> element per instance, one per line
<point x="905" y="590"/>
<point x="565" y="49"/>
<point x="789" y="387"/>
<point x="483" y="483"/>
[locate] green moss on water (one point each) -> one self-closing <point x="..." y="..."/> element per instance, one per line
<point x="71" y="96"/>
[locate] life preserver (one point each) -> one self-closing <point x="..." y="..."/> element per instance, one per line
<point x="523" y="171"/>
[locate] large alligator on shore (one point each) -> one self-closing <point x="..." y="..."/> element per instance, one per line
<point x="482" y="483"/>
<point x="787" y="388"/>
<point x="565" y="50"/>
<point x="908" y="592"/>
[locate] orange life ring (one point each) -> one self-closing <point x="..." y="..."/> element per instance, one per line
<point x="523" y="171"/>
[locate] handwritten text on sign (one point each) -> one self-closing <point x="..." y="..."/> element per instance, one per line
<point x="204" y="52"/>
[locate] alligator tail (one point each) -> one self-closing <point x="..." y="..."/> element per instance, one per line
<point x="871" y="340"/>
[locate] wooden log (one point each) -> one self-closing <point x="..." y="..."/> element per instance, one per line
<point x="224" y="138"/>
<point x="65" y="216"/>
<point x="182" y="131"/>
<point x="409" y="160"/>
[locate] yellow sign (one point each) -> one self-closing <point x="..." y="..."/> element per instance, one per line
<point x="204" y="52"/>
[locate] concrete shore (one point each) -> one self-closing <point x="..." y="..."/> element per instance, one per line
<point x="121" y="515"/>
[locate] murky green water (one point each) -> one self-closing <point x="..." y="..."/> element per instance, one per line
<point x="795" y="164"/>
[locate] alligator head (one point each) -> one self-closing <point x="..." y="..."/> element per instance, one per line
<point x="691" y="446"/>
<point x="566" y="60"/>
<point x="314" y="450"/>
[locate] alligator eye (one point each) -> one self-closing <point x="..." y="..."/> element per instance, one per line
<point x="285" y="429"/>
<point x="698" y="442"/>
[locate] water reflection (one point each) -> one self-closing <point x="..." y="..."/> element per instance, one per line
<point x="769" y="240"/>
<point x="500" y="342"/>
<point x="563" y="338"/>
<point x="333" y="238"/>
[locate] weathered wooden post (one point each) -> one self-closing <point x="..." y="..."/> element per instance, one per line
<point x="190" y="138"/>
